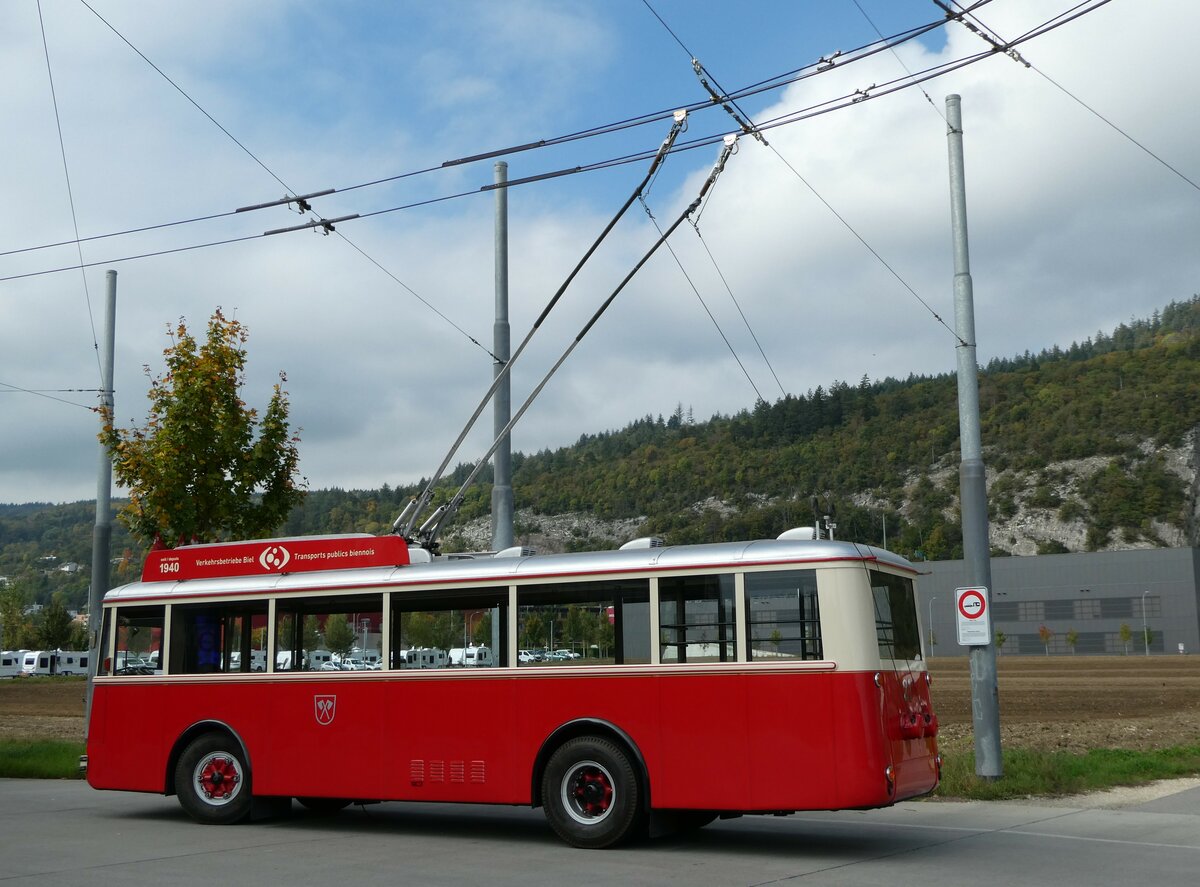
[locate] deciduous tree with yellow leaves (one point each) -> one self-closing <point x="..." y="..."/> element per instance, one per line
<point x="205" y="466"/>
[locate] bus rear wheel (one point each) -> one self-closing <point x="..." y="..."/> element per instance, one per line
<point x="591" y="794"/>
<point x="213" y="781"/>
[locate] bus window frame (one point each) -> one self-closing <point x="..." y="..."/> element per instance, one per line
<point x="448" y="600"/>
<point x="803" y="593"/>
<point x="727" y="631"/>
<point x="612" y="591"/>
<point x="731" y="636"/>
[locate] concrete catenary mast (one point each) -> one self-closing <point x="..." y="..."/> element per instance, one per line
<point x="972" y="479"/>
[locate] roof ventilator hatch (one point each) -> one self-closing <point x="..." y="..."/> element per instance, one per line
<point x="643" y="542"/>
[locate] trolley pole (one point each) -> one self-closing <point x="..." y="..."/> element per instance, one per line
<point x="102" y="530"/>
<point x="502" y="492"/>
<point x="985" y="702"/>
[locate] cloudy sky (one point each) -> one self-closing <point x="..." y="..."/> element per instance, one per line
<point x="1073" y="228"/>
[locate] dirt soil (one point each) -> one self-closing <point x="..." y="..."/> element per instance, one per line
<point x="42" y="708"/>
<point x="1071" y="703"/>
<point x="1075" y="703"/>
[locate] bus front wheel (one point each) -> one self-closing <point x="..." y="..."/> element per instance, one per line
<point x="213" y="781"/>
<point x="591" y="793"/>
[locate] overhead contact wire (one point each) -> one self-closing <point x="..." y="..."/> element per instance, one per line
<point x="703" y="304"/>
<point x="432" y="527"/>
<point x="407" y="521"/>
<point x="769" y="84"/>
<point x="783" y="120"/>
<point x="738" y="305"/>
<point x="327" y="225"/>
<point x="1084" y="104"/>
<point x="747" y="123"/>
<point x="62" y="146"/>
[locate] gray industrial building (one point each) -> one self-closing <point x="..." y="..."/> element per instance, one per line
<point x="1090" y="596"/>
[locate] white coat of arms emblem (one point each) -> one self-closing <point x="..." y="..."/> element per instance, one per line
<point x="325" y="708"/>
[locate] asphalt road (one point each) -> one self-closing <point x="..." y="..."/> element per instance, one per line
<point x="65" y="833"/>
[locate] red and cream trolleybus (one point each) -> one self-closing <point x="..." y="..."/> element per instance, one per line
<point x="685" y="682"/>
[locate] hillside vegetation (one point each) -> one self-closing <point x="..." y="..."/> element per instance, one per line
<point x="1087" y="447"/>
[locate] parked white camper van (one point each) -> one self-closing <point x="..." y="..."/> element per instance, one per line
<point x="10" y="663"/>
<point x="471" y="657"/>
<point x="41" y="662"/>
<point x="423" y="657"/>
<point x="258" y="660"/>
<point x="72" y="662"/>
<point x="316" y="658"/>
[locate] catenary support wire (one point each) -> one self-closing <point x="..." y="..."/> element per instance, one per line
<point x="985" y="33"/>
<point x="412" y="512"/>
<point x="428" y="533"/>
<point x="730" y="143"/>
<point x="62" y="145"/>
<point x="776" y="82"/>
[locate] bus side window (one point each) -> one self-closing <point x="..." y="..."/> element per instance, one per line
<point x="104" y="664"/>
<point x="339" y="633"/>
<point x="696" y="619"/>
<point x="139" y="640"/>
<point x="197" y="640"/>
<point x="466" y="628"/>
<point x="601" y="622"/>
<point x="783" y="621"/>
<point x="895" y="616"/>
<point x="207" y="638"/>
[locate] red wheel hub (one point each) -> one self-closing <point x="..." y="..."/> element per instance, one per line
<point x="593" y="792"/>
<point x="219" y="778"/>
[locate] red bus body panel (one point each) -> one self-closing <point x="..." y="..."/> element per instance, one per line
<point x="749" y="737"/>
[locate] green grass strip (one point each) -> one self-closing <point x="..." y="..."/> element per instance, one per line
<point x="39" y="759"/>
<point x="1026" y="773"/>
<point x="1042" y="773"/>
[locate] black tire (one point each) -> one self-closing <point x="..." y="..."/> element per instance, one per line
<point x="213" y="780"/>
<point x="324" y="806"/>
<point x="591" y="793"/>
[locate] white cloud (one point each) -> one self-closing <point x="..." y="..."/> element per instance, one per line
<point x="1073" y="229"/>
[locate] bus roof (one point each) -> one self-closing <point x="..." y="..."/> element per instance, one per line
<point x="487" y="569"/>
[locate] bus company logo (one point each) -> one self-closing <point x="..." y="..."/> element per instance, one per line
<point x="274" y="558"/>
<point x="325" y="707"/>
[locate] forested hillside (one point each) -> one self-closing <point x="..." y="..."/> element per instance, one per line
<point x="1087" y="447"/>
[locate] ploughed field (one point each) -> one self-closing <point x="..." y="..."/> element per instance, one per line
<point x="1068" y="702"/>
<point x="42" y="708"/>
<point x="1075" y="703"/>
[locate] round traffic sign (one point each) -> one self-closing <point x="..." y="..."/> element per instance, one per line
<point x="972" y="604"/>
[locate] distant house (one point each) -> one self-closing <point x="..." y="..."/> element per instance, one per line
<point x="69" y="567"/>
